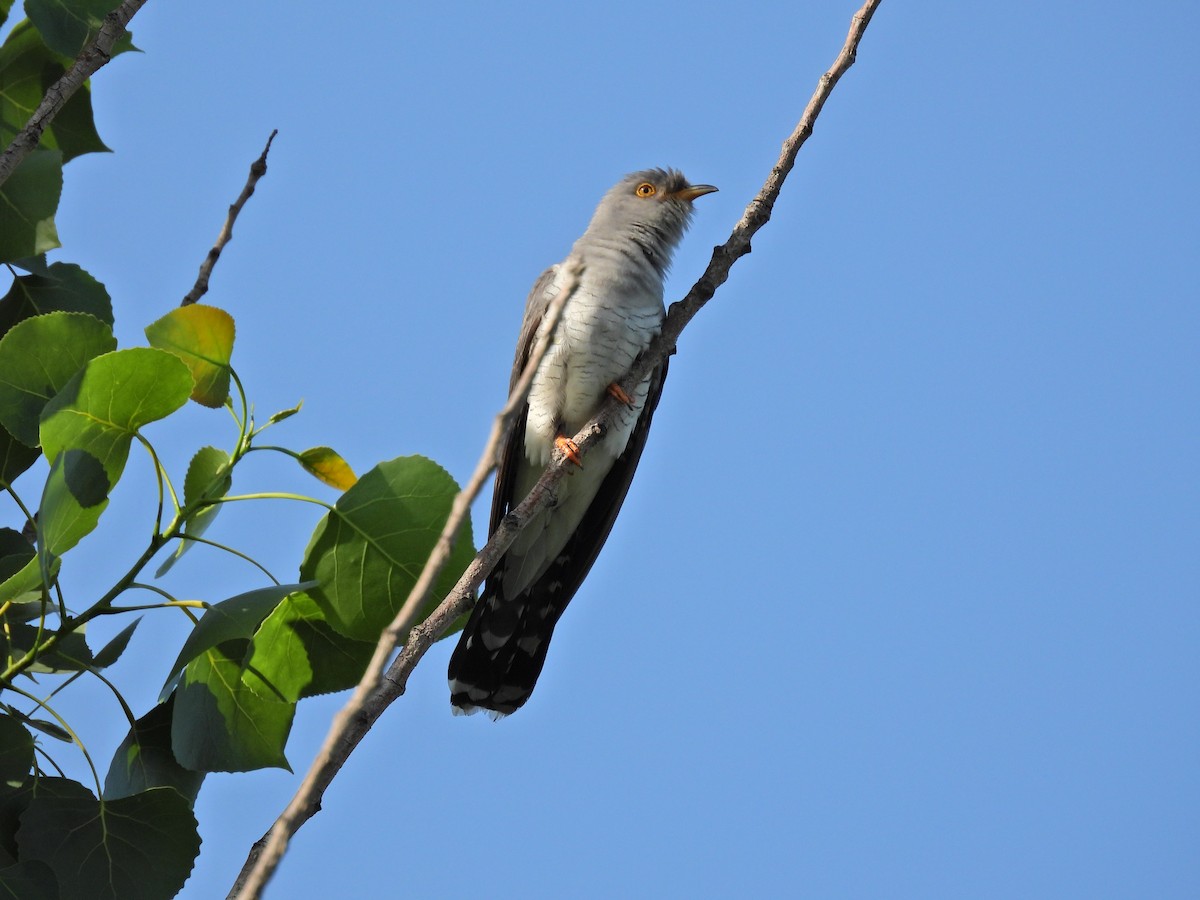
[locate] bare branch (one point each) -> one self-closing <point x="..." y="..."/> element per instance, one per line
<point x="258" y="169"/>
<point x="757" y="213"/>
<point x="87" y="63"/>
<point x="373" y="696"/>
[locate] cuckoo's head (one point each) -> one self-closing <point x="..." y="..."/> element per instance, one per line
<point x="652" y="208"/>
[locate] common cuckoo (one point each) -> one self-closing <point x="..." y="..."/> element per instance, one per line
<point x="614" y="313"/>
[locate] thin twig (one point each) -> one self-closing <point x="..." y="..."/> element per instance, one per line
<point x="87" y="63"/>
<point x="258" y="169"/>
<point x="357" y="718"/>
<point x="348" y="727"/>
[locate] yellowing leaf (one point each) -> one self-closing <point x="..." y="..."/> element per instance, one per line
<point x="201" y="336"/>
<point x="325" y="464"/>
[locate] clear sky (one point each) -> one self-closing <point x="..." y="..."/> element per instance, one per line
<point x="905" y="600"/>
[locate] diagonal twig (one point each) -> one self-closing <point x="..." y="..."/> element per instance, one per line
<point x="347" y="729"/>
<point x="258" y="169"/>
<point x="87" y="63"/>
<point x="370" y="700"/>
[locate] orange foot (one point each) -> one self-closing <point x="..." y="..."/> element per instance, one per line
<point x="622" y="397"/>
<point x="569" y="449"/>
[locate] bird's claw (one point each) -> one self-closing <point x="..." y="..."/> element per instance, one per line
<point x="569" y="449"/>
<point x="617" y="391"/>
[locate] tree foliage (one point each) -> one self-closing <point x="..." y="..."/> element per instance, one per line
<point x="72" y="407"/>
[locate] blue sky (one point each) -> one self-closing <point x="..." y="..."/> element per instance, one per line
<point x="905" y="600"/>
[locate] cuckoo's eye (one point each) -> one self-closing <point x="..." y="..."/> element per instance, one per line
<point x="646" y="189"/>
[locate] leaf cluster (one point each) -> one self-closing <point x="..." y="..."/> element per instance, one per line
<point x="73" y="405"/>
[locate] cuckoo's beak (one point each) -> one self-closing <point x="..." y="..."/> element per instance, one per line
<point x="692" y="191"/>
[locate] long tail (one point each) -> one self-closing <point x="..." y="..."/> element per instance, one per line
<point x="501" y="652"/>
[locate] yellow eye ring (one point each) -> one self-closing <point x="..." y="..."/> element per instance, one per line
<point x="646" y="189"/>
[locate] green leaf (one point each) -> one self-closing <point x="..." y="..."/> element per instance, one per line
<point x="325" y="464"/>
<point x="208" y="478"/>
<point x="35" y="265"/>
<point x="112" y="651"/>
<point x="222" y="725"/>
<point x="5" y="7"/>
<point x="201" y="336"/>
<point x="60" y="288"/>
<point x="232" y="619"/>
<point x="15" y="458"/>
<point x="25" y="611"/>
<point x="70" y="654"/>
<point x="28" y="201"/>
<point x="27" y="582"/>
<point x="367" y="553"/>
<point x="51" y="728"/>
<point x="29" y="879"/>
<point x="15" y="553"/>
<point x="68" y="25"/>
<point x="16" y="751"/>
<point x="14" y="798"/>
<point x="296" y="654"/>
<point x="138" y="846"/>
<point x="284" y="414"/>
<point x="87" y="428"/>
<point x="21" y="589"/>
<point x="144" y="760"/>
<point x="104" y="405"/>
<point x="73" y="130"/>
<point x="28" y="68"/>
<point x="38" y="358"/>
<point x="25" y="61"/>
<point x="73" y="499"/>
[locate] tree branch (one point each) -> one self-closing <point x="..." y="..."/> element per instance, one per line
<point x="353" y="721"/>
<point x="258" y="169"/>
<point x="87" y="63"/>
<point x="373" y="695"/>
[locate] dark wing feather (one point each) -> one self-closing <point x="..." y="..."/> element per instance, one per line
<point x="514" y="447"/>
<point x="503" y="678"/>
<point x="584" y="545"/>
<point x="535" y="308"/>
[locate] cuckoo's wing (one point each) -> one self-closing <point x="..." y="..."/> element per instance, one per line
<point x="514" y="448"/>
<point x="503" y="646"/>
<point x="564" y="576"/>
<point x="535" y="309"/>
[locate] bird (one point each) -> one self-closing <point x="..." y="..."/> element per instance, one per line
<point x="613" y="314"/>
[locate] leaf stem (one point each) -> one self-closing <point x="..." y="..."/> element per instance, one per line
<point x="162" y="478"/>
<point x="196" y="539"/>
<point x="20" y="505"/>
<point x="185" y="605"/>
<point x="245" y="426"/>
<point x="272" y="495"/>
<point x="67" y="728"/>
